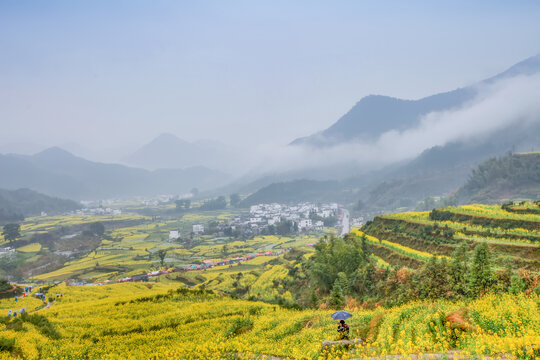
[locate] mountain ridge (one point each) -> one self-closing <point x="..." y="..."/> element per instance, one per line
<point x="57" y="172"/>
<point x="374" y="115"/>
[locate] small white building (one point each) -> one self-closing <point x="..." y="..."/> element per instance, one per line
<point x="198" y="228"/>
<point x="319" y="225"/>
<point x="173" y="235"/>
<point x="305" y="224"/>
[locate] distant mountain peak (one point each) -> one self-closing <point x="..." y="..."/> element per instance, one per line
<point x="374" y="115"/>
<point x="54" y="152"/>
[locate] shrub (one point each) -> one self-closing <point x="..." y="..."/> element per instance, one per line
<point x="239" y="326"/>
<point x="7" y="344"/>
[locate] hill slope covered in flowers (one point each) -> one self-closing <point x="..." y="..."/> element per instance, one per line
<point x="143" y="321"/>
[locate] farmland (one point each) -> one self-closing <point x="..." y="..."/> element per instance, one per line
<point x="57" y="248"/>
<point x="453" y="279"/>
<point x="512" y="235"/>
<point x="159" y="321"/>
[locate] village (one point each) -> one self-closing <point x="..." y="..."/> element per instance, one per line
<point x="279" y="219"/>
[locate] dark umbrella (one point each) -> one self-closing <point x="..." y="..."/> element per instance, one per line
<point x="341" y="315"/>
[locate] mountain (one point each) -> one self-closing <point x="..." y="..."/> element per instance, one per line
<point x="57" y="172"/>
<point x="293" y="192"/>
<point x="20" y="203"/>
<point x="170" y="152"/>
<point x="374" y="115"/>
<point x="442" y="170"/>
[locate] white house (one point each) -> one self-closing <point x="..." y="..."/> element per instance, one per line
<point x="319" y="225"/>
<point x="305" y="224"/>
<point x="173" y="235"/>
<point x="198" y="229"/>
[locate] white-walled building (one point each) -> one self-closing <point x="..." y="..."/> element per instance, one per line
<point x="198" y="228"/>
<point x="305" y="224"/>
<point x="173" y="235"/>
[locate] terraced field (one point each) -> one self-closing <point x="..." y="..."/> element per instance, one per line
<point x="57" y="248"/>
<point x="512" y="233"/>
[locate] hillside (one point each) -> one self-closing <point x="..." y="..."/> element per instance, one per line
<point x="513" y="237"/>
<point x="157" y="321"/>
<point x="17" y="204"/>
<point x="512" y="177"/>
<point x="56" y="172"/>
<point x="374" y="115"/>
<point x="437" y="172"/>
<point x="293" y="191"/>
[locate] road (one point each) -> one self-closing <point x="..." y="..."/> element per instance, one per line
<point x="345" y="222"/>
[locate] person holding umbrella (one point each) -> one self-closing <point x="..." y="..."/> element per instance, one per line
<point x="343" y="329"/>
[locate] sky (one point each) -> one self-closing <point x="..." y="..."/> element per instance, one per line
<point x="108" y="76"/>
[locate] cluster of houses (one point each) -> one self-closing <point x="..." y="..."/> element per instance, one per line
<point x="7" y="251"/>
<point x="97" y="211"/>
<point x="263" y="215"/>
<point x="305" y="216"/>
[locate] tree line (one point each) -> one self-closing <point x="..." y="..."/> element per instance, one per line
<point x="343" y="268"/>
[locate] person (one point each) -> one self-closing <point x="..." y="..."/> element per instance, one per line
<point x="343" y="330"/>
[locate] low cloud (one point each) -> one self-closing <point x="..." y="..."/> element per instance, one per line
<point x="497" y="106"/>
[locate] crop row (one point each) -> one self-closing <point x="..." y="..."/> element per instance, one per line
<point x="416" y="254"/>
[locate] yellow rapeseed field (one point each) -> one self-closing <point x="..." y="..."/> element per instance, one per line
<point x="156" y="321"/>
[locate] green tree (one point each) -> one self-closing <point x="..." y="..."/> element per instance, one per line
<point x="11" y="232"/>
<point x="343" y="282"/>
<point x="215" y="204"/>
<point x="459" y="270"/>
<point x="516" y="285"/>
<point x="336" y="296"/>
<point x="234" y="199"/>
<point x="364" y="282"/>
<point x="162" y="253"/>
<point x="97" y="228"/>
<point x="332" y="257"/>
<point x="224" y="250"/>
<point x="314" y="299"/>
<point x="481" y="275"/>
<point x="433" y="279"/>
<point x="366" y="250"/>
<point x="183" y="204"/>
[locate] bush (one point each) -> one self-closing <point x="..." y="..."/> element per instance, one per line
<point x="7" y="344"/>
<point x="42" y="324"/>
<point x="239" y="326"/>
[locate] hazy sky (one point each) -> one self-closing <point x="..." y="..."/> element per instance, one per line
<point x="114" y="74"/>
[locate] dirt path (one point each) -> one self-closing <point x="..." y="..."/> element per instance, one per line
<point x="49" y="304"/>
<point x="13" y="288"/>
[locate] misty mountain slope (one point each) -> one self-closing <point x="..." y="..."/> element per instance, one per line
<point x="374" y="115"/>
<point x="438" y="171"/>
<point x="294" y="191"/>
<point x="442" y="170"/>
<point x="170" y="152"/>
<point x="20" y="203"/>
<point x="57" y="172"/>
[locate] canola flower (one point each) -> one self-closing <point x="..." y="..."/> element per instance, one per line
<point x="156" y="321"/>
<point x="405" y="250"/>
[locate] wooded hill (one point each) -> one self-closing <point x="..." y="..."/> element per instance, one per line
<point x="15" y="205"/>
<point x="511" y="177"/>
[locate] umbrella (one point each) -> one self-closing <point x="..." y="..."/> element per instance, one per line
<point x="341" y="315"/>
